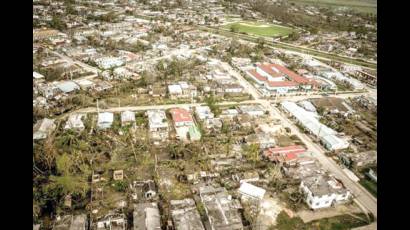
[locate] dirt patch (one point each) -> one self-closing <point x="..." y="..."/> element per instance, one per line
<point x="329" y="103"/>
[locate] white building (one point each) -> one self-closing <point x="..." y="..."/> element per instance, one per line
<point x="252" y="110"/>
<point x="323" y="191"/>
<point x="43" y="128"/>
<point x="158" y="125"/>
<point x="310" y="122"/>
<point x="249" y="191"/>
<point x="75" y="122"/>
<point x="37" y="75"/>
<point x="105" y="120"/>
<point x="109" y="62"/>
<point x="127" y="118"/>
<point x="203" y="112"/>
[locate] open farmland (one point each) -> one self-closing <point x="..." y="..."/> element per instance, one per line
<point x="259" y="29"/>
<point x="363" y="6"/>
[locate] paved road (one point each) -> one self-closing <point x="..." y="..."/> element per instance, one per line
<point x="89" y="68"/>
<point x="362" y="196"/>
<point x="299" y="49"/>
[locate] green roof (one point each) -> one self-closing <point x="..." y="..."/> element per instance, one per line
<point x="194" y="132"/>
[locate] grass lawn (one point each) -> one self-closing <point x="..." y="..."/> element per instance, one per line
<point x="259" y="29"/>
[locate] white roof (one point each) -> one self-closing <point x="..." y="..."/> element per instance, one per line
<point x="67" y="86"/>
<point x="252" y="190"/>
<point x="127" y="116"/>
<point x="157" y="119"/>
<point x="74" y="121"/>
<point x="105" y="117"/>
<point x="37" y="75"/>
<point x="175" y="89"/>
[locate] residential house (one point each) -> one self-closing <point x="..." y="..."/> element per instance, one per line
<point x="203" y="113"/>
<point x="146" y="216"/>
<point x="288" y="155"/>
<point x="323" y="191"/>
<point x="127" y="118"/>
<point x="221" y="209"/>
<point x="359" y="160"/>
<point x="102" y="86"/>
<point x="67" y="86"/>
<point x="252" y="110"/>
<point x="105" y="120"/>
<point x="185" y="215"/>
<point x="69" y="222"/>
<point x="43" y="128"/>
<point x="183" y="122"/>
<point x="109" y="62"/>
<point x="158" y="125"/>
<point x="182" y="90"/>
<point x="85" y="84"/>
<point x="112" y="221"/>
<point x="264" y="140"/>
<point x="75" y="122"/>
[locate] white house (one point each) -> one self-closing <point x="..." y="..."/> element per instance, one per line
<point x="203" y="112"/>
<point x="105" y="120"/>
<point x="127" y="118"/>
<point x="157" y="123"/>
<point x="323" y="191"/>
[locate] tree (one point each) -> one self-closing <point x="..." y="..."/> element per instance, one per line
<point x="252" y="153"/>
<point x="260" y="43"/>
<point x="56" y="23"/>
<point x="49" y="153"/>
<point x="211" y="103"/>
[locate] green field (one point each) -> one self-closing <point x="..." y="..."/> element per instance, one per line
<point x="259" y="29"/>
<point x="363" y="6"/>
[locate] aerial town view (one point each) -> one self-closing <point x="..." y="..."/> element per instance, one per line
<point x="204" y="114"/>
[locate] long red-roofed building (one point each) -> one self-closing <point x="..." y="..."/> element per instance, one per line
<point x="279" y="78"/>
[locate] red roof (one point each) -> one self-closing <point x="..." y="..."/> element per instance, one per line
<point x="282" y="83"/>
<point x="292" y="75"/>
<point x="181" y="115"/>
<point x="268" y="69"/>
<point x="287" y="153"/>
<point x="295" y="79"/>
<point x="257" y="76"/>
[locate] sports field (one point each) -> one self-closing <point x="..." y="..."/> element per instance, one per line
<point x="259" y="29"/>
